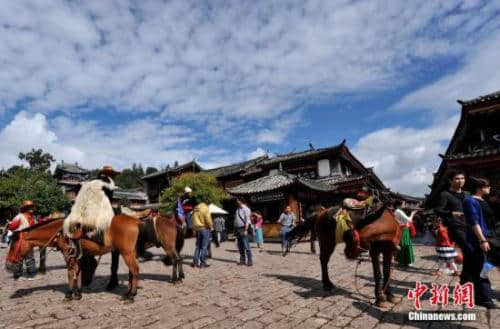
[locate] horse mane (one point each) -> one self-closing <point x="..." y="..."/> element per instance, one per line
<point x="37" y="225"/>
<point x="371" y="217"/>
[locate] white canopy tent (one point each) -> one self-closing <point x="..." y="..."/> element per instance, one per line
<point x="216" y="210"/>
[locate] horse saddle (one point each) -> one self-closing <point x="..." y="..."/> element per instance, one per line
<point x="353" y="204"/>
<point x="94" y="236"/>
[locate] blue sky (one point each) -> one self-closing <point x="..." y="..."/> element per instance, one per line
<point x="221" y="81"/>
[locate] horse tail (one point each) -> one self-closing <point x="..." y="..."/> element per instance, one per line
<point x="302" y="229"/>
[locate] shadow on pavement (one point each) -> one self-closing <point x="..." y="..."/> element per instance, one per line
<point x="98" y="285"/>
<point x="315" y="286"/>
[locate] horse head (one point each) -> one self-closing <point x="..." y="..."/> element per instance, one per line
<point x="352" y="242"/>
<point x="25" y="240"/>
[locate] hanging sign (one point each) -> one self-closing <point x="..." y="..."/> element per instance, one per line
<point x="267" y="197"/>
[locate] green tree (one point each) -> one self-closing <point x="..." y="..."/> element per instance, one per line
<point x="37" y="159"/>
<point x="202" y="184"/>
<point x="131" y="177"/>
<point x="150" y="170"/>
<point x="22" y="184"/>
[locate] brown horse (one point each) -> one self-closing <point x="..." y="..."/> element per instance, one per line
<point x="379" y="232"/>
<point x="121" y="236"/>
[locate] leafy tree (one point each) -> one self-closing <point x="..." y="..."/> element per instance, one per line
<point x="202" y="184"/>
<point x="131" y="177"/>
<point x="150" y="170"/>
<point x="22" y="184"/>
<point x="37" y="159"/>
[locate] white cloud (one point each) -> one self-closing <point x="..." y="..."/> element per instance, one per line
<point x="243" y="71"/>
<point x="405" y="158"/>
<point x="145" y="141"/>
<point x="257" y="153"/>
<point x="478" y="76"/>
<point x="237" y="60"/>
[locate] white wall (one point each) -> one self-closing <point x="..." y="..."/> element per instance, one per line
<point x="324" y="167"/>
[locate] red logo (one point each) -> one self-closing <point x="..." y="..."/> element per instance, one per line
<point x="462" y="294"/>
<point x="416" y="293"/>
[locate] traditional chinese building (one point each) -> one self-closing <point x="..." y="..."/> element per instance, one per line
<point x="156" y="182"/>
<point x="238" y="173"/>
<point x="135" y="198"/>
<point x="70" y="176"/>
<point x="475" y="145"/>
<point x="302" y="179"/>
<point x="409" y="202"/>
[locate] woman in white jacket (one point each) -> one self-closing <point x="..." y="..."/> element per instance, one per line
<point x="405" y="254"/>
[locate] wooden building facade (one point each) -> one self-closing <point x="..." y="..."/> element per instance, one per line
<point x="156" y="182"/>
<point x="70" y="176"/>
<point x="301" y="180"/>
<point x="475" y="145"/>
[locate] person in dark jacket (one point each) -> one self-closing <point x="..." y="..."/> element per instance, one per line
<point x="450" y="208"/>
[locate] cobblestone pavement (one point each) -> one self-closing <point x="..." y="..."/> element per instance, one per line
<point x="277" y="292"/>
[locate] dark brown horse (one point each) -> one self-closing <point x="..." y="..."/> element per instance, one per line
<point x="379" y="232"/>
<point x="121" y="236"/>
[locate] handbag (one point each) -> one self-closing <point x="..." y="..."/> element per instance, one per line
<point x="250" y="230"/>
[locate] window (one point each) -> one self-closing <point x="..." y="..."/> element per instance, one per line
<point x="336" y="168"/>
<point x="324" y="168"/>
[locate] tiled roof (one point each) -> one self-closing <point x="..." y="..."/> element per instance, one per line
<point x="129" y="194"/>
<point x="303" y="154"/>
<point x="480" y="153"/>
<point x="173" y="169"/>
<point x="408" y="197"/>
<point x="480" y="99"/>
<point x="237" y="167"/>
<point x="275" y="182"/>
<point x="71" y="168"/>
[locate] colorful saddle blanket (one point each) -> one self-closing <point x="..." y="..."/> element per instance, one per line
<point x="341" y="218"/>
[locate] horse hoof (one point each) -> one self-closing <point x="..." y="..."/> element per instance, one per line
<point x="128" y="300"/>
<point x="111" y="286"/>
<point x="383" y="304"/>
<point x="328" y="287"/>
<point x="67" y="299"/>
<point x="78" y="297"/>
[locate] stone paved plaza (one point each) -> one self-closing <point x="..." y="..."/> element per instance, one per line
<point x="276" y="292"/>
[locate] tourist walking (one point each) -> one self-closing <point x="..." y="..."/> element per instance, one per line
<point x="188" y="204"/>
<point x="444" y="248"/>
<point x="220" y="226"/>
<point x="287" y="220"/>
<point x="23" y="220"/>
<point x="405" y="254"/>
<point x="450" y="209"/>
<point x="202" y="226"/>
<point x="259" y="236"/>
<point x="478" y="217"/>
<point x="242" y="220"/>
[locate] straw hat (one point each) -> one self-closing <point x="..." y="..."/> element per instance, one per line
<point x="27" y="204"/>
<point x="108" y="171"/>
<point x="56" y="215"/>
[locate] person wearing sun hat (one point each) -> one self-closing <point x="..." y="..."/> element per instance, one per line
<point x="23" y="220"/>
<point x="107" y="174"/>
<point x="93" y="208"/>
